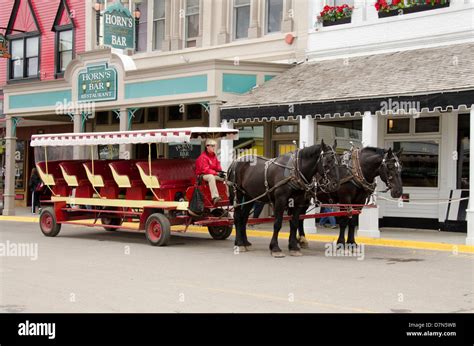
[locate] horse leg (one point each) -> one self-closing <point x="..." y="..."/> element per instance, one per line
<point x="350" y="234"/>
<point x="279" y="210"/>
<point x="238" y="217"/>
<point x="294" y="223"/>
<point x="341" y="241"/>
<point x="245" y="218"/>
<point x="302" y="236"/>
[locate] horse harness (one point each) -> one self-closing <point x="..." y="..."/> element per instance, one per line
<point x="357" y="177"/>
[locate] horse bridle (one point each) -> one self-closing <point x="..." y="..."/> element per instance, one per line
<point x="388" y="173"/>
<point x="323" y="181"/>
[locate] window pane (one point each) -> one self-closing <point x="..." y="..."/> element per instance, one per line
<point x="159" y="9"/>
<point x="398" y="125"/>
<point x="101" y="118"/>
<point x="194" y="112"/>
<point x="32" y="46"/>
<point x="153" y="114"/>
<point x="420" y="163"/>
<point x="32" y="66"/>
<point x="250" y="141"/>
<point x="274" y="15"/>
<point x="242" y="19"/>
<point x="65" y="59"/>
<point x="158" y="34"/>
<point x="192" y="26"/>
<point x="142" y="26"/>
<point x="430" y="124"/>
<point x="286" y="129"/>
<point x="17" y="68"/>
<point x="139" y="116"/>
<point x="192" y="7"/>
<point x="65" y="40"/>
<point x="463" y="151"/>
<point x="17" y="49"/>
<point x="174" y="113"/>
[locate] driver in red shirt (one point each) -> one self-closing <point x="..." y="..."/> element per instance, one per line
<point x="208" y="165"/>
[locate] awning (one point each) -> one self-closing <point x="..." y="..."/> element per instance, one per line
<point x="179" y="135"/>
<point x="421" y="80"/>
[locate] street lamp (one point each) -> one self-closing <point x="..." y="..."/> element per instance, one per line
<point x="98" y="7"/>
<point x="137" y="15"/>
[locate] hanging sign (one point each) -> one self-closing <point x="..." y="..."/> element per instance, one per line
<point x="97" y="83"/>
<point x="119" y="27"/>
<point x="4" y="47"/>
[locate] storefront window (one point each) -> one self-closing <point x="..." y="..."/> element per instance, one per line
<point x="175" y="113"/>
<point x="420" y="161"/>
<point x="463" y="151"/>
<point x="427" y="124"/>
<point x="250" y="141"/>
<point x="20" y="165"/>
<point x="153" y="114"/>
<point x="345" y="132"/>
<point x="102" y="118"/>
<point x="139" y="116"/>
<point x="398" y="125"/>
<point x="194" y="112"/>
<point x="286" y="128"/>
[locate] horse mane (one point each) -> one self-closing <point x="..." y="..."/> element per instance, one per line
<point x="310" y="152"/>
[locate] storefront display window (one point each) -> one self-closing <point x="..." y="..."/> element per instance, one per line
<point x="108" y="152"/>
<point x="420" y="162"/>
<point x="20" y="162"/>
<point x="398" y="125"/>
<point x="427" y="124"/>
<point x="345" y="132"/>
<point x="250" y="140"/>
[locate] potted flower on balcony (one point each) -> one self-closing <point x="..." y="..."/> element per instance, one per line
<point x="389" y="8"/>
<point x="334" y="15"/>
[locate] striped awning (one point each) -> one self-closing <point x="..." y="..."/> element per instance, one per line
<point x="179" y="135"/>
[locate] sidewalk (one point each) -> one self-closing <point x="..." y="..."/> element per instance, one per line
<point x="392" y="237"/>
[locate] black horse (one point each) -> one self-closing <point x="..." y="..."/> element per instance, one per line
<point x="279" y="181"/>
<point x="358" y="184"/>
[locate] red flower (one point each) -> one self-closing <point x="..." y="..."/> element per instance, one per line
<point x="395" y="2"/>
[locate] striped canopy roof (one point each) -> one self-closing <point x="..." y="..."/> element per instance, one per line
<point x="180" y="135"/>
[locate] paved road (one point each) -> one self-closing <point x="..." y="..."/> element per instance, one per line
<point x="87" y="270"/>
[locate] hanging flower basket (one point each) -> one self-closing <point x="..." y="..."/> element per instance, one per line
<point x="387" y="8"/>
<point x="335" y="15"/>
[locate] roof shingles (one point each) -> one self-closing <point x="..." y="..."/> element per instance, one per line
<point x="420" y="71"/>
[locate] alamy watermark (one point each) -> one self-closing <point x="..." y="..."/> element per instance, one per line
<point x="347" y="250"/>
<point x="11" y="249"/>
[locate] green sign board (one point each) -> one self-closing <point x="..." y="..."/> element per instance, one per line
<point x="97" y="83"/>
<point x="4" y="47"/>
<point x="119" y="27"/>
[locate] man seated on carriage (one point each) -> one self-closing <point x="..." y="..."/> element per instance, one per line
<point x="209" y="167"/>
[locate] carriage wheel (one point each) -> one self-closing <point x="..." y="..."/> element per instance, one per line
<point x="114" y="221"/>
<point x="219" y="232"/>
<point x="48" y="224"/>
<point x="158" y="229"/>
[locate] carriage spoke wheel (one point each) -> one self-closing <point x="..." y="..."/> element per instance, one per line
<point x="158" y="229"/>
<point x="48" y="223"/>
<point x="219" y="232"/>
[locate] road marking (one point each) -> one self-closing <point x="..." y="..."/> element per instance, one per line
<point x="397" y="243"/>
<point x="272" y="297"/>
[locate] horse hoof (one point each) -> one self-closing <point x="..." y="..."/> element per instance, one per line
<point x="243" y="249"/>
<point x="278" y="254"/>
<point x="303" y="243"/>
<point x="247" y="243"/>
<point x="296" y="253"/>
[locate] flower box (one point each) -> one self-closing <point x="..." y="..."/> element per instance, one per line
<point x="410" y="8"/>
<point x="337" y="22"/>
<point x="335" y="15"/>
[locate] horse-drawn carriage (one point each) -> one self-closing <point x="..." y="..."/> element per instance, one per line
<point x="156" y="193"/>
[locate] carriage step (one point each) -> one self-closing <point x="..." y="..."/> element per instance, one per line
<point x="102" y="211"/>
<point x="96" y="225"/>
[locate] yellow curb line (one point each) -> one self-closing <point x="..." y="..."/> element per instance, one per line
<point x="409" y="244"/>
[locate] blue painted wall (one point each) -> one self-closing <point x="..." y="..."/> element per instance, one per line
<point x="268" y="77"/>
<point x="43" y="99"/>
<point x="238" y="83"/>
<point x="163" y="87"/>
